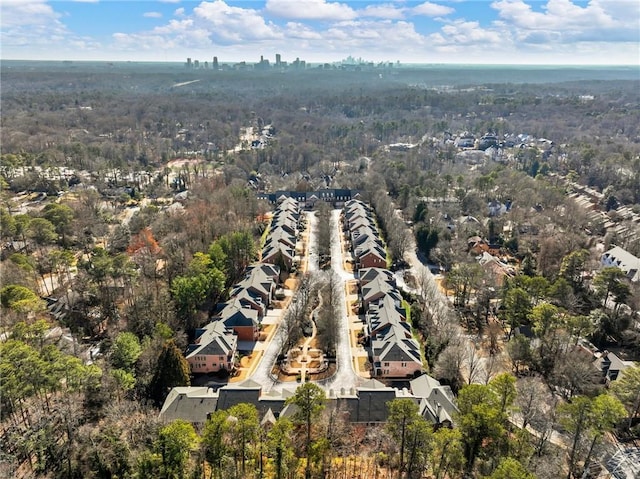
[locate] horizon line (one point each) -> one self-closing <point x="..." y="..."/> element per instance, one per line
<point x="333" y="62"/>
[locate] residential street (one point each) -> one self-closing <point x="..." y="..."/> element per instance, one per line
<point x="346" y="376"/>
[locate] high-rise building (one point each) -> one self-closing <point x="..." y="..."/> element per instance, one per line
<point x="215" y="63"/>
<point x="278" y="59"/>
<point x="189" y="65"/>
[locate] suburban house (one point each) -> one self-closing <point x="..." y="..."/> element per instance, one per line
<point x="368" y="249"/>
<point x="370" y="255"/>
<point x="279" y="235"/>
<point x="611" y="366"/>
<point x="245" y="322"/>
<point x="279" y="256"/>
<point x="239" y="320"/>
<point x="363" y="232"/>
<point x="259" y="285"/>
<point x="252" y="301"/>
<point x="192" y="404"/>
<point x="437" y="403"/>
<point x="213" y="350"/>
<point x="393" y="351"/>
<point x="496" y="208"/>
<point x="386" y="311"/>
<point x="476" y="245"/>
<point x="624" y="260"/>
<point x="495" y="269"/>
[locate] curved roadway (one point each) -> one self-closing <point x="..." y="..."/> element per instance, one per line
<point x="345" y="376"/>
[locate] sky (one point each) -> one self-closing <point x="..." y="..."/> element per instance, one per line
<point x="548" y="32"/>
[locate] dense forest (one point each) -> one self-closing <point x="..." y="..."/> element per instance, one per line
<point x="129" y="209"/>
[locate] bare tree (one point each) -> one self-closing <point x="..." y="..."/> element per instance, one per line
<point x="291" y="327"/>
<point x="399" y="239"/>
<point x="532" y="400"/>
<point x="329" y="311"/>
<point x="574" y="373"/>
<point x="472" y="362"/>
<point x="490" y="367"/>
<point x="324" y="233"/>
<point x="449" y="365"/>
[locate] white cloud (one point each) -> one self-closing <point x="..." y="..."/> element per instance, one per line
<point x="301" y="31"/>
<point x="179" y="12"/>
<point x="383" y="10"/>
<point x="234" y="24"/>
<point x="381" y="38"/>
<point x="19" y="12"/>
<point x="212" y="25"/>
<point x="432" y="9"/>
<point x="310" y="10"/>
<point x="152" y="15"/>
<point x="34" y="30"/>
<point x="169" y="1"/>
<point x="461" y="33"/>
<point x="563" y="21"/>
<point x="174" y="27"/>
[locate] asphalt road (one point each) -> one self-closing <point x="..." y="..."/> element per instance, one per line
<point x="345" y="376"/>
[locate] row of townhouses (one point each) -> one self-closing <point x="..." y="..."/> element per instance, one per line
<point x="308" y="199"/>
<point x="366" y="403"/>
<point x="215" y="345"/>
<point x="393" y="352"/>
<point x="280" y="247"/>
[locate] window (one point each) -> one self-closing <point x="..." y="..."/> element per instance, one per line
<point x="404" y="365"/>
<point x="386" y="364"/>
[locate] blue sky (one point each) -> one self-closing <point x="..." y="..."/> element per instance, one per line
<point x="598" y="32"/>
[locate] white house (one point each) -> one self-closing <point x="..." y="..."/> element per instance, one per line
<point x="624" y="260"/>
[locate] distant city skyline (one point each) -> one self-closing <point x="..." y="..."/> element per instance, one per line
<point x="546" y="32"/>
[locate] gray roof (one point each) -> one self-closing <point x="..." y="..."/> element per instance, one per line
<point x="405" y="350"/>
<point x="367" y="275"/>
<point x="215" y="340"/>
<point x="438" y="403"/>
<point x="192" y="404"/>
<point x="235" y="315"/>
<point x="366" y="403"/>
